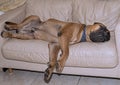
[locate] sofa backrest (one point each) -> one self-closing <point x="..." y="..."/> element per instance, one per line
<point x="84" y="11"/>
<point x="45" y="9"/>
<point x="90" y="11"/>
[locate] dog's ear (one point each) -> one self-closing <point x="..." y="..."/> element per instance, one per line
<point x="97" y="23"/>
<point x="101" y="24"/>
<point x="10" y="23"/>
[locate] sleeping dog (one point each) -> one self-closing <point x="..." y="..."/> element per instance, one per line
<point x="59" y="34"/>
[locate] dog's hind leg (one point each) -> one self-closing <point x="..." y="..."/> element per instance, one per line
<point x="37" y="35"/>
<point x="23" y="36"/>
<point x="53" y="53"/>
<point x="30" y="19"/>
<point x="17" y="26"/>
<point x="43" y="35"/>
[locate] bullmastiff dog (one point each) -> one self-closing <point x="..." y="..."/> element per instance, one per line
<point x="59" y="34"/>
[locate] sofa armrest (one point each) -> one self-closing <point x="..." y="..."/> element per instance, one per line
<point x="117" y="37"/>
<point x="15" y="15"/>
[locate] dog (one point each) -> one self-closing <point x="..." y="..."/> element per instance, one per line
<point x="59" y="34"/>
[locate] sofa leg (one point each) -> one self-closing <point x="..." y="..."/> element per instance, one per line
<point x="10" y="70"/>
<point x="5" y="69"/>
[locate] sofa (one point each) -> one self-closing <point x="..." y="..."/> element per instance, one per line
<point x="85" y="58"/>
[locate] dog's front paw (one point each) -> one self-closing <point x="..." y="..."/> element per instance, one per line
<point x="6" y="34"/>
<point x="47" y="75"/>
<point x="59" y="67"/>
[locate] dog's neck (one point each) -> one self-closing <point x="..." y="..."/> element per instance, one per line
<point x="83" y="38"/>
<point x="85" y="34"/>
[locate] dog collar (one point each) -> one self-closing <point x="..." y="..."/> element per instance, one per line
<point x="83" y="39"/>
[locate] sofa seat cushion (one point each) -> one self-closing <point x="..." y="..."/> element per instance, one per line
<point x="86" y="54"/>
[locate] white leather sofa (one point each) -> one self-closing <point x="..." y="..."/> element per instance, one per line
<point x="86" y="58"/>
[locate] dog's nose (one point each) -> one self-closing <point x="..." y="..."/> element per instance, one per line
<point x="106" y="33"/>
<point x="107" y="36"/>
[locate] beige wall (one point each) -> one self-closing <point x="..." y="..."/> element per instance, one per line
<point x="6" y="5"/>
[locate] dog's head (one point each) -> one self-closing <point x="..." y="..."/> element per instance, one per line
<point x="99" y="33"/>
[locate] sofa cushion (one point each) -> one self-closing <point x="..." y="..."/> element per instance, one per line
<point x="90" y="11"/>
<point x="86" y="54"/>
<point x="45" y="9"/>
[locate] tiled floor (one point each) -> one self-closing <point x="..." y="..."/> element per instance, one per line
<point x="36" y="78"/>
